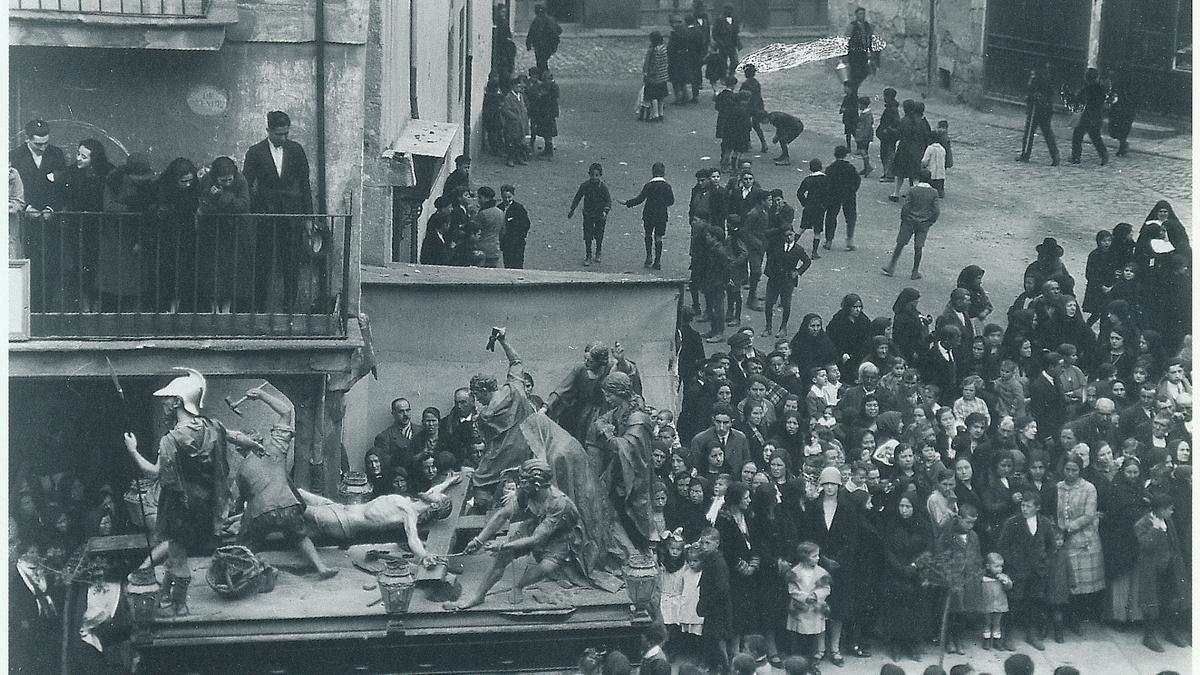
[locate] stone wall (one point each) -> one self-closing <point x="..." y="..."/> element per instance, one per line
<point x="904" y="24"/>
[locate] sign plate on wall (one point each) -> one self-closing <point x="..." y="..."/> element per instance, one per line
<point x="208" y="101"/>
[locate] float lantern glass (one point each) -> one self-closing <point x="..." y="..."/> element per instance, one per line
<point x="396" y="584"/>
<point x="142" y="593"/>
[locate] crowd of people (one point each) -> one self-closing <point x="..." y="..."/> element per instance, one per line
<point x="125" y="238"/>
<point x="1051" y="457"/>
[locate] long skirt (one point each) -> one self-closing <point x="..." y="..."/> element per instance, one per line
<point x="1124" y="605"/>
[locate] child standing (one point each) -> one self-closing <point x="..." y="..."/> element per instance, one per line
<point x="849" y="112"/>
<point x="686" y="616"/>
<point x="888" y="133"/>
<point x="996" y="585"/>
<point x="808" y="588"/>
<point x="1059" y="583"/>
<point x="935" y="161"/>
<point x="597" y="202"/>
<point x="943" y="128"/>
<point x="671" y="577"/>
<point x="864" y="130"/>
<point x="969" y="402"/>
<point x="814" y="195"/>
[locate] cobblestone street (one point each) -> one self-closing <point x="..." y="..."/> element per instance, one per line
<point x="995" y="212"/>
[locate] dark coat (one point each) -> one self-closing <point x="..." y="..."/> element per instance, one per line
<point x="784" y="265"/>
<point x="752" y="591"/>
<point x="435" y="250"/>
<point x="543" y="35"/>
<point x="850" y="336"/>
<point x="1123" y="504"/>
<point x="840" y="542"/>
<point x="271" y="192"/>
<point x="657" y="197"/>
<point x="1163" y="579"/>
<point x="84" y="188"/>
<point x="715" y="603"/>
<point x="516" y="226"/>
<point x="844" y="180"/>
<point x="1026" y="556"/>
<point x="727" y="34"/>
<point x="1047" y="405"/>
<point x="43" y="185"/>
<point x="935" y="369"/>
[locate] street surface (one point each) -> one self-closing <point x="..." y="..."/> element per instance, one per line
<point x="995" y="212"/>
<point x="996" y="209"/>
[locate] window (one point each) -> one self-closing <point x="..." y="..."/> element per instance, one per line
<point x="1182" y="58"/>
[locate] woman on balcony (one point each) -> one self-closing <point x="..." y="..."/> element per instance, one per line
<point x="123" y="252"/>
<point x="178" y="283"/>
<point x="227" y="236"/>
<point x="84" y="186"/>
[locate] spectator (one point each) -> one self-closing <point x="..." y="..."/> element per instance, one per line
<point x="597" y="202"/>
<point x="917" y="216"/>
<point x="516" y="228"/>
<point x="227" y="237"/>
<point x="844" y="182"/>
<point x="543" y="37"/>
<point x="657" y="197"/>
<point x="655" y="74"/>
<point x="276" y="170"/>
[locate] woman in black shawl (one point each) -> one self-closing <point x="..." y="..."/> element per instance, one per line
<point x="1101" y="274"/>
<point x="971" y="279"/>
<point x="910" y="331"/>
<point x="1124" y="503"/>
<point x="181" y="285"/>
<point x="905" y="610"/>
<point x="910" y="149"/>
<point x="850" y="332"/>
<point x="811" y="346"/>
<point x="752" y="558"/>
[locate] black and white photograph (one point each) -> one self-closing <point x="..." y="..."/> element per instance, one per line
<point x="599" y="337"/>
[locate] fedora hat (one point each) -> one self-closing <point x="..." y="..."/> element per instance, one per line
<point x="1050" y="244"/>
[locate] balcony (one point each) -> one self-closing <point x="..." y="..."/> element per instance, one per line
<point x="189" y="25"/>
<point x="145" y="8"/>
<point x="130" y="275"/>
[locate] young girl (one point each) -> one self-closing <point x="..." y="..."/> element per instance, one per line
<point x="671" y="578"/>
<point x="808" y="588"/>
<point x="996" y="585"/>
<point x="969" y="403"/>
<point x="690" y="623"/>
<point x="658" y="505"/>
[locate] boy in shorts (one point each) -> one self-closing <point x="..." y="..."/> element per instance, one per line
<point x="864" y="131"/>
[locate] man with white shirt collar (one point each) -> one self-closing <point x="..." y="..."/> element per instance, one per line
<point x="654" y="660"/>
<point x="1027" y="543"/>
<point x="1047" y="403"/>
<point x="940" y="365"/>
<point x="957" y="314"/>
<point x="737" y="448"/>
<point x="658" y="198"/>
<point x="277" y="173"/>
<point x="394" y="443"/>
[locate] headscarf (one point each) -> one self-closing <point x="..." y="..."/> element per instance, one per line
<point x="969" y="278"/>
<point x="890" y="424"/>
<point x="906" y="296"/>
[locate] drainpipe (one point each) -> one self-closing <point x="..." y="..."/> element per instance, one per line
<point x="1093" y="53"/>
<point x="319" y="36"/>
<point x="467" y="83"/>
<point x="412" y="60"/>
<point x="930" y="65"/>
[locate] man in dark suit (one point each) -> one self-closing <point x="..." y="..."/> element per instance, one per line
<point x="435" y="248"/>
<point x="956" y="314"/>
<point x="1139" y="413"/>
<point x="1048" y="404"/>
<point x="849" y="406"/>
<point x="787" y="261"/>
<point x="658" y="198"/>
<point x="459" y="424"/>
<point x="395" y="443"/>
<point x="1096" y="428"/>
<point x="276" y="170"/>
<point x="727" y="39"/>
<point x="737" y="448"/>
<point x="940" y="364"/>
<point x="41" y="166"/>
<point x="516" y="228"/>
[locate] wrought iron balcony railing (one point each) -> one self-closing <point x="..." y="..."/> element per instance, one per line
<point x="143" y="8"/>
<point x="107" y="275"/>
